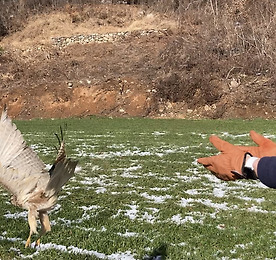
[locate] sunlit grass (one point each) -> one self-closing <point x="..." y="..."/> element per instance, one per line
<point x="139" y="192"/>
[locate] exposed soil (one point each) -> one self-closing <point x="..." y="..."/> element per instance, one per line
<point x="110" y="77"/>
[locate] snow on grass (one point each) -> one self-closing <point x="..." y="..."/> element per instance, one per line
<point x="134" y="151"/>
<point x="128" y="234"/>
<point x="69" y="250"/>
<point x="131" y="213"/>
<point x="154" y="198"/>
<point x="136" y="189"/>
<point x="187" y="219"/>
<point x="23" y="214"/>
<point x="128" y="172"/>
<point x="207" y="202"/>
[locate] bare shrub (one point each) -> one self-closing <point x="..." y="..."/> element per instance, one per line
<point x="186" y="66"/>
<point x="223" y="40"/>
<point x="13" y="13"/>
<point x="3" y="29"/>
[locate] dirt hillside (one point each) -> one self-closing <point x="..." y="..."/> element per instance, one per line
<point x="103" y="60"/>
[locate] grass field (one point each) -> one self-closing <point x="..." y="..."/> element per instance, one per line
<point x="139" y="194"/>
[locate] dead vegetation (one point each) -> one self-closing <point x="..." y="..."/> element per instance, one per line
<point x="219" y="42"/>
<point x="218" y="61"/>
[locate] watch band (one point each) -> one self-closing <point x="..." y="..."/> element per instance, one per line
<point x="247" y="167"/>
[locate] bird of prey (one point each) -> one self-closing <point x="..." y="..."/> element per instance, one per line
<point x="23" y="174"/>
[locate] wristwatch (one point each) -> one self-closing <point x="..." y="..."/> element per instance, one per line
<point x="247" y="170"/>
<point x="247" y="166"/>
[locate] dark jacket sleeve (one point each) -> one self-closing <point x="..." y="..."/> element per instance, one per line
<point x="267" y="171"/>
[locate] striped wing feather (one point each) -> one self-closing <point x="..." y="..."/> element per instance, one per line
<point x="17" y="160"/>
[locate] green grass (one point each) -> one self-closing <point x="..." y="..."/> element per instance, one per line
<point x="139" y="191"/>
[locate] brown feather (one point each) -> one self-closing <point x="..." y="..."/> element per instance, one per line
<point x="23" y="174"/>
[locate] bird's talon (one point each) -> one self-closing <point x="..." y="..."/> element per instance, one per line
<point x="28" y="243"/>
<point x="37" y="243"/>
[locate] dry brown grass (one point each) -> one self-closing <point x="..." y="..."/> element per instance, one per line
<point x="75" y="20"/>
<point x="233" y="39"/>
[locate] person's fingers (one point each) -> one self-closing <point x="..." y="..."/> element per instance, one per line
<point x="211" y="164"/>
<point x="225" y="176"/>
<point x="245" y="148"/>
<point x="207" y="162"/>
<point x="254" y="150"/>
<point x="257" y="138"/>
<point x="220" y="144"/>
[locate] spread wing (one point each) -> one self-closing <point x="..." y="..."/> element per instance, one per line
<point x="17" y="161"/>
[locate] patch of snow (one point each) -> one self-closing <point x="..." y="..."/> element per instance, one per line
<point x="156" y="199"/>
<point x="128" y="234"/>
<point x="23" y="214"/>
<point x="218" y="192"/>
<point x="132" y="212"/>
<point x="187" y="219"/>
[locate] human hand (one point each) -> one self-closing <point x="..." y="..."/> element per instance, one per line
<point x="228" y="164"/>
<point x="265" y="147"/>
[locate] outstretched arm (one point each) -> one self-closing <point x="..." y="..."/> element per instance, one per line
<point x="229" y="164"/>
<point x="234" y="163"/>
<point x="265" y="168"/>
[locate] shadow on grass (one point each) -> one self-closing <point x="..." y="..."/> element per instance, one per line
<point x="159" y="253"/>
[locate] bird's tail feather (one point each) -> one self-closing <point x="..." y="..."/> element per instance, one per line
<point x="61" y="173"/>
<point x="61" y="151"/>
